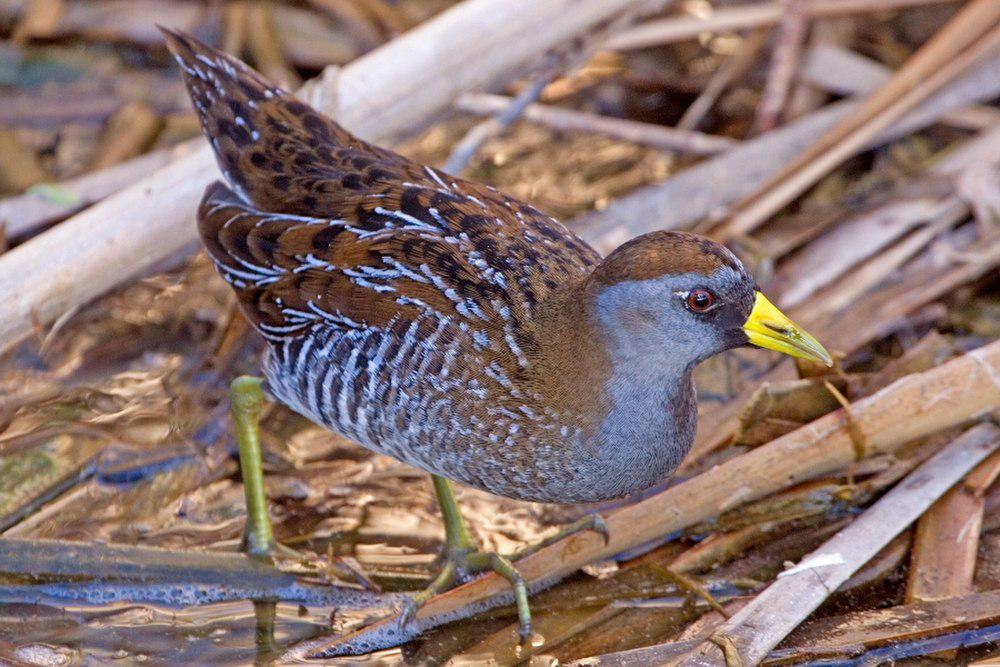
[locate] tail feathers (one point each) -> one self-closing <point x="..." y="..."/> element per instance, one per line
<point x="277" y="153"/>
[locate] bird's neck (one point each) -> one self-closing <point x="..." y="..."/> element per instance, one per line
<point x="634" y="399"/>
<point x="572" y="366"/>
<point x="603" y="370"/>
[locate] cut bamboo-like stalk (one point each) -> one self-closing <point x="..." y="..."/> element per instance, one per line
<point x="25" y="213"/>
<point x="947" y="540"/>
<point x="771" y="616"/>
<point x="708" y="186"/>
<point x="913" y="407"/>
<point x="680" y="28"/>
<point x="973" y="34"/>
<point x="647" y="134"/>
<point x="838" y="636"/>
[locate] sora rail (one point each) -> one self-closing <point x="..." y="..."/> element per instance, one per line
<point x="448" y="325"/>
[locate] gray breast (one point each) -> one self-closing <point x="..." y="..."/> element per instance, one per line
<point x="408" y="391"/>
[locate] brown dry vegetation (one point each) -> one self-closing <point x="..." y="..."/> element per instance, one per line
<point x="867" y="204"/>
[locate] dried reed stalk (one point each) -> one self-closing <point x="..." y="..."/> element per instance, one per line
<point x="759" y="626"/>
<point x="744" y="17"/>
<point x="646" y="134"/>
<point x="946" y="544"/>
<point x="971" y="35"/>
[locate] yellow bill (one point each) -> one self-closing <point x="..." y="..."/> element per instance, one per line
<point x="769" y="328"/>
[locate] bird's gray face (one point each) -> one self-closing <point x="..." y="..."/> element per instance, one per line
<point x="677" y="320"/>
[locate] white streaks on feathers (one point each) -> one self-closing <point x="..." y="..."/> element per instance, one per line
<point x="412" y="223"/>
<point x="437" y="178"/>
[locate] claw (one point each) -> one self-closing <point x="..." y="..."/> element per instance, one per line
<point x="600" y="526"/>
<point x="408" y="611"/>
<point x="444" y="579"/>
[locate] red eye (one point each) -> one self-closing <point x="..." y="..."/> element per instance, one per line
<point x="700" y="300"/>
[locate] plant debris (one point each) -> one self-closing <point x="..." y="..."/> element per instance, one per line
<point x="847" y="151"/>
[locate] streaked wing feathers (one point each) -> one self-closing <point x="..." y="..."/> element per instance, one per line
<point x="318" y="228"/>
<point x="395" y="257"/>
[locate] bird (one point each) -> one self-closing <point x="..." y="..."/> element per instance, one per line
<point x="448" y="325"/>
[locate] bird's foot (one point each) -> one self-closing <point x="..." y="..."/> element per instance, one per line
<point x="461" y="561"/>
<point x="462" y="558"/>
<point x="590" y="523"/>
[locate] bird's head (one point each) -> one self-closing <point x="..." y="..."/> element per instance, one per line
<point x="690" y="298"/>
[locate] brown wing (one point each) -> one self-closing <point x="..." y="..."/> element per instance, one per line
<point x="274" y="150"/>
<point x="319" y="227"/>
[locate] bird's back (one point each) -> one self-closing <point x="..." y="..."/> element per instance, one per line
<point x="399" y="302"/>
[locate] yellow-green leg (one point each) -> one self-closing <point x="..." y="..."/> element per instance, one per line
<point x="246" y="403"/>
<point x="462" y="557"/>
<point x="457" y="538"/>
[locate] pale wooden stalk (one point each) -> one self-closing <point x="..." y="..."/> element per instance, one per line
<point x="838" y="311"/>
<point x="733" y="69"/>
<point x="839" y="636"/>
<point x="25" y="213"/>
<point x="916" y="406"/>
<point x="783" y="509"/>
<point x="706" y="188"/>
<point x="393" y="89"/>
<point x="845" y="72"/>
<point x="789" y="40"/>
<point x="680" y="28"/>
<point x="826" y="260"/>
<point x="971" y="35"/>
<point x="647" y="134"/>
<point x="832" y="258"/>
<point x="883" y="565"/>
<point x="947" y="539"/>
<point x="759" y="626"/>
